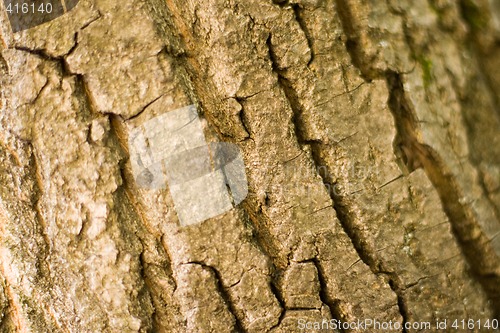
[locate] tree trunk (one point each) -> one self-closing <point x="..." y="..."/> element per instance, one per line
<point x="370" y="136"/>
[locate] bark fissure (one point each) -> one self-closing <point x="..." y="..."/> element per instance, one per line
<point x="141" y="111"/>
<point x="473" y="242"/>
<point x="350" y="229"/>
<point x="293" y="101"/>
<point x="352" y="43"/>
<point x="373" y="245"/>
<point x="469" y="125"/>
<point x="475" y="163"/>
<point x="224" y="294"/>
<point x="187" y="70"/>
<point x="37" y="197"/>
<point x="402" y="305"/>
<point x="60" y="59"/>
<point x="13" y="309"/>
<point x="42" y="54"/>
<point x="144" y="277"/>
<point x="279" y="297"/>
<point x="119" y="137"/>
<point x="333" y="305"/>
<point x="341" y="211"/>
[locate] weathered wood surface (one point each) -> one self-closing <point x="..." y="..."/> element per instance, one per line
<point x="370" y="134"/>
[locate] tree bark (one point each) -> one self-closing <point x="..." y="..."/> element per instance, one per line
<point x="370" y="135"/>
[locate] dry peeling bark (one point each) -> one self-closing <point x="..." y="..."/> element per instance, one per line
<point x="370" y="134"/>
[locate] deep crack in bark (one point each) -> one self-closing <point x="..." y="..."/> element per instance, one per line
<point x="352" y="43"/>
<point x="295" y="107"/>
<point x="224" y="294"/>
<point x="325" y="298"/>
<point x="473" y="242"/>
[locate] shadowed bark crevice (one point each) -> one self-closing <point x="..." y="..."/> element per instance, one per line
<point x="278" y="294"/>
<point x="187" y="69"/>
<point x="352" y="43"/>
<point x="282" y="81"/>
<point x="297" y="9"/>
<point x="324" y="295"/>
<point x="474" y="243"/>
<point x="148" y="237"/>
<point x="402" y="303"/>
<point x="223" y="292"/>
<point x="342" y="214"/>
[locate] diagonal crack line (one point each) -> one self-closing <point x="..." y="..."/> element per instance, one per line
<point x="143" y="265"/>
<point x="37" y="201"/>
<point x="292" y="99"/>
<point x="346" y="92"/>
<point x="13" y="310"/>
<point x="342" y="213"/>
<point x="352" y="43"/>
<point x="396" y="287"/>
<point x="466" y="100"/>
<point x="473" y="242"/>
<point x="145" y="107"/>
<point x="42" y="54"/>
<point x="289" y="92"/>
<point x="196" y="86"/>
<point x="277" y="294"/>
<point x="350" y="229"/>
<point x="223" y="292"/>
<point x="119" y="135"/>
<point x="298" y="10"/>
<point x="324" y="296"/>
<point x="92" y="20"/>
<point x="474" y="161"/>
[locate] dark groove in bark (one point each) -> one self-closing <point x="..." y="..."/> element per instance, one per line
<point x="42" y="54"/>
<point x="468" y="122"/>
<point x="403" y="308"/>
<point x="144" y="277"/>
<point x="352" y="43"/>
<point x="351" y="230"/>
<point x="196" y="90"/>
<point x="145" y="107"/>
<point x="342" y="213"/>
<point x="295" y="106"/>
<point x="416" y="155"/>
<point x="36" y="198"/>
<point x="277" y="293"/>
<point x="186" y="70"/>
<point x="238" y="325"/>
<point x="118" y="140"/>
<point x="473" y="242"/>
<point x="332" y="304"/>
<point x="9" y="311"/>
<point x="468" y="97"/>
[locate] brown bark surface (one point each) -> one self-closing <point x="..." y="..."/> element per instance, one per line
<point x="370" y="132"/>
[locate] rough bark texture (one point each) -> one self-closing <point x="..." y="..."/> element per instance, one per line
<point x="370" y="133"/>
